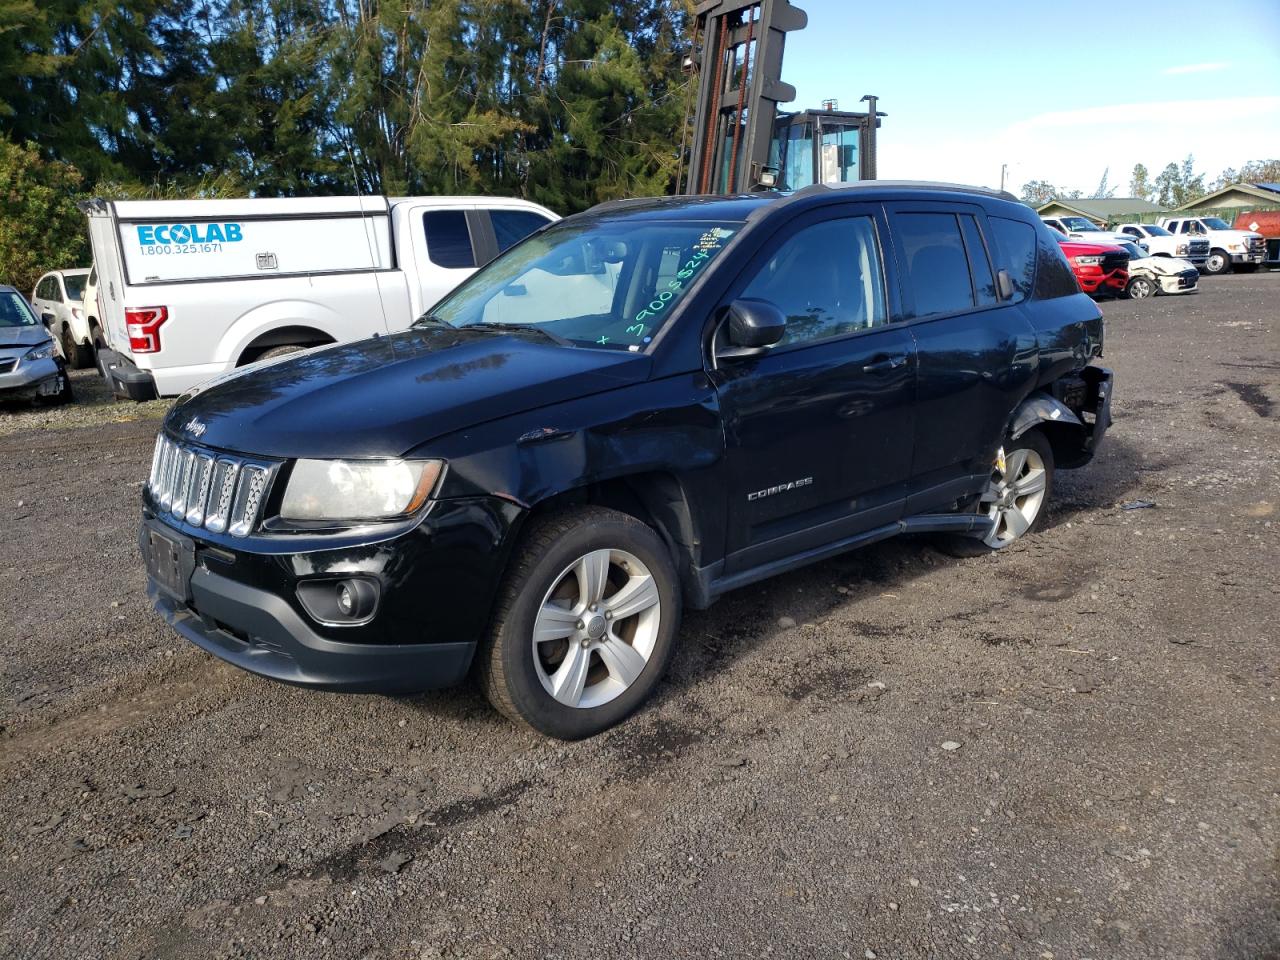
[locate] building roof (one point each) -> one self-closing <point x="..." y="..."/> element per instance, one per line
<point x="1102" y="209"/>
<point x="1268" y="193"/>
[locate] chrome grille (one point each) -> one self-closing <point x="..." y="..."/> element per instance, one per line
<point x="206" y="489"/>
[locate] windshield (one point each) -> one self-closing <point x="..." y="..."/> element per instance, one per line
<point x="604" y="283"/>
<point x="1154" y="231"/>
<point x="14" y="311"/>
<point x="74" y="283"/>
<point x="1213" y="223"/>
<point x="1134" y="251"/>
<point x="1079" y="224"/>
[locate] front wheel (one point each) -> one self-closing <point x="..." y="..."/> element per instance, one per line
<point x="1219" y="262"/>
<point x="585" y="623"/>
<point x="1140" y="288"/>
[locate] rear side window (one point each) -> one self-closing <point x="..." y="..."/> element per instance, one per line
<point x="1053" y="274"/>
<point x="512" y="226"/>
<point x="448" y="238"/>
<point x="1015" y="253"/>
<point x="936" y="267"/>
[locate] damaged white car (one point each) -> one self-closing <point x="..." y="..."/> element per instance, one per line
<point x="1150" y="275"/>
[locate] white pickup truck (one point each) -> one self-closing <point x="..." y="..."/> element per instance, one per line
<point x="1228" y="248"/>
<point x="1161" y="243"/>
<point x="1078" y="228"/>
<point x="190" y="289"/>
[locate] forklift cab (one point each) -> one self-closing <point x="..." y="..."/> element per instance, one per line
<point x="822" y="146"/>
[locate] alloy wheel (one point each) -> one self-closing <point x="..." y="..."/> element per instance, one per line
<point x="596" y="628"/>
<point x="1141" y="288"/>
<point x="1015" y="495"/>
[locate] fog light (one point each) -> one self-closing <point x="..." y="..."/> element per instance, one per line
<point x="348" y="602"/>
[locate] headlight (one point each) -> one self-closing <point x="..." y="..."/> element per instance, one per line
<point x="1235" y="246"/>
<point x="358" y="489"/>
<point x="1090" y="261"/>
<point x="45" y="351"/>
<point x="1183" y="249"/>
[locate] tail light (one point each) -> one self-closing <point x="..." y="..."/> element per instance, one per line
<point x="143" y="324"/>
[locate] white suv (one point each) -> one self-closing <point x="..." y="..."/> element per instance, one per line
<point x="59" y="302"/>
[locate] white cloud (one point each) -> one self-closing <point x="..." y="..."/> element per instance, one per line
<point x="1194" y="68"/>
<point x="1071" y="148"/>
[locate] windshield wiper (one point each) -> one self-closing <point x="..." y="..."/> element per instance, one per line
<point x="520" y="328"/>
<point x="431" y="320"/>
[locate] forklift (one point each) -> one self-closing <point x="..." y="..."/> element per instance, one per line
<point x="741" y="142"/>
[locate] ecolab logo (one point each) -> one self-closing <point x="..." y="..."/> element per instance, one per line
<point x="190" y="233"/>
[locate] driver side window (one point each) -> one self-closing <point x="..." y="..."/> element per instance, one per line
<point x="826" y="279"/>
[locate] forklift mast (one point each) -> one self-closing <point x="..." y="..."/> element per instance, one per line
<point x="739" y="89"/>
<point x="740" y="141"/>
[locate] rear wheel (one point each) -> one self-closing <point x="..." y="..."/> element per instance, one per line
<point x="281" y="351"/>
<point x="584" y="626"/>
<point x="1014" y="501"/>
<point x="1140" y="288"/>
<point x="78" y="356"/>
<point x="1219" y="262"/>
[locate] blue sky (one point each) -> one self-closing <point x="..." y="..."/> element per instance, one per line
<point x="1057" y="91"/>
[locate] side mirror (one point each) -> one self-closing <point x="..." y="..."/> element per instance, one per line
<point x="753" y="327"/>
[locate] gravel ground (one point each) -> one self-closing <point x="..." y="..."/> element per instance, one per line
<point x="1068" y="750"/>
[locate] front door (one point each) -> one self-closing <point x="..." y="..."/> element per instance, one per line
<point x="819" y="429"/>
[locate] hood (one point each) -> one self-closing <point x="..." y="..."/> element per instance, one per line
<point x="23" y="336"/>
<point x="1165" y="266"/>
<point x="1078" y="248"/>
<point x="384" y="396"/>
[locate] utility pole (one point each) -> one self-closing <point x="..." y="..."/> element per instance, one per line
<point x="1003" y="167"/>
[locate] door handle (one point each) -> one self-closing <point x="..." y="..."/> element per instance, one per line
<point x="885" y="363"/>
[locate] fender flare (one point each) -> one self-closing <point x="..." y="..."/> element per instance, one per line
<point x="1040" y="408"/>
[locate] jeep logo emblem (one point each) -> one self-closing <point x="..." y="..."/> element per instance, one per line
<point x="196" y="427"/>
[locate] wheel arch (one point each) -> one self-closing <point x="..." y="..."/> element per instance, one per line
<point x="1065" y="431"/>
<point x="656" y="498"/>
<point x="299" y="334"/>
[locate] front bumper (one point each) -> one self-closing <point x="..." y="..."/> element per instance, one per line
<point x="1093" y="280"/>
<point x="1253" y="256"/>
<point x="1185" y="282"/>
<point x="239" y="598"/>
<point x="269" y="638"/>
<point x="29" y="377"/>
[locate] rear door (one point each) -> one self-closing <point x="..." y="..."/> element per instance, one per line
<point x="819" y="429"/>
<point x="448" y="242"/>
<point x="976" y="351"/>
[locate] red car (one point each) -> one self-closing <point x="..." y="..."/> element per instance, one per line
<point x="1099" y="269"/>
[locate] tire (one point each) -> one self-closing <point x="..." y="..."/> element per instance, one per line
<point x="1140" y="288"/>
<point x="281" y="351"/>
<point x="78" y="357"/>
<point x="1031" y="450"/>
<point x="1219" y="262"/>
<point x="606" y="670"/>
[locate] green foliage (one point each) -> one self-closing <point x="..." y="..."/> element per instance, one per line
<point x="1140" y="183"/>
<point x="1038" y="192"/>
<point x="40" y="226"/>
<point x="564" y="101"/>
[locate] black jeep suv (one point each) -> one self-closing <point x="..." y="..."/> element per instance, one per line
<point x="645" y="405"/>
